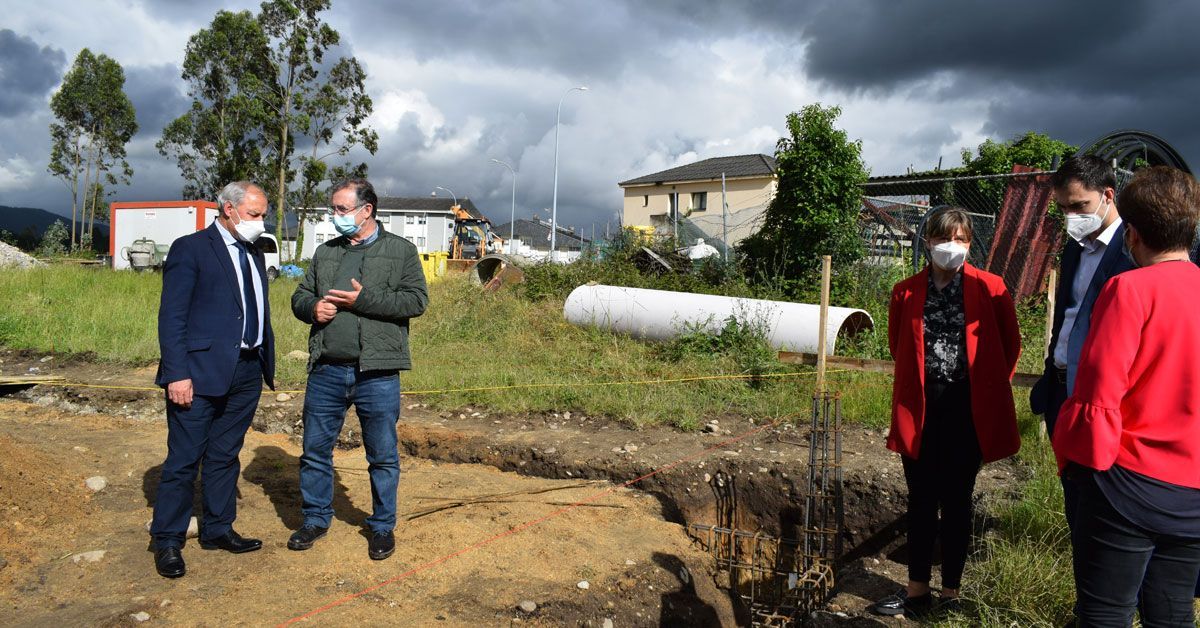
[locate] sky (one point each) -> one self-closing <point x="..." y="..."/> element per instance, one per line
<point x="457" y="83"/>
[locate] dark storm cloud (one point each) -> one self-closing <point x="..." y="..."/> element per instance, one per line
<point x="1075" y="71"/>
<point x="27" y="73"/>
<point x="155" y="93"/>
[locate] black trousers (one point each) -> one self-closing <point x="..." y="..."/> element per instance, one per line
<point x="1114" y="559"/>
<point x="209" y="434"/>
<point x="1058" y="396"/>
<point x="942" y="477"/>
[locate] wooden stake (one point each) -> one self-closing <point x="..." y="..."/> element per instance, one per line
<point x="826" y="270"/>
<point x="1051" y="291"/>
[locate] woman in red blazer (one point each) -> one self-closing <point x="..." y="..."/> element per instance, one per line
<point x="1130" y="434"/>
<point x="953" y="333"/>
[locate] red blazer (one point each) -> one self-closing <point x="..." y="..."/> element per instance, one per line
<point x="1137" y="396"/>
<point x="993" y="345"/>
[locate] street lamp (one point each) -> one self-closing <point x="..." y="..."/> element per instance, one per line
<point x="512" y="223"/>
<point x="554" y="206"/>
<point x="452" y="196"/>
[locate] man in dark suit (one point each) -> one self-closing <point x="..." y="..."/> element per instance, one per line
<point x="1085" y="190"/>
<point x="214" y="334"/>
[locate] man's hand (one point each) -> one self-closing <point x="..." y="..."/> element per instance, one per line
<point x="344" y="299"/>
<point x="324" y="311"/>
<point x="180" y="393"/>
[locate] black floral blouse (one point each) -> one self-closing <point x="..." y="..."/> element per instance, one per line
<point x="945" y="333"/>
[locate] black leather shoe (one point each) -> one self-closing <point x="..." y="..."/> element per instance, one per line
<point x="304" y="538"/>
<point x="381" y="545"/>
<point x="168" y="561"/>
<point x="231" y="542"/>
<point x="899" y="603"/>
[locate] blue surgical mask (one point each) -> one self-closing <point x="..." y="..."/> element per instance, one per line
<point x="346" y="225"/>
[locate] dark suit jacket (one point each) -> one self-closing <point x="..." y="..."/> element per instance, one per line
<point x="1111" y="264"/>
<point x="200" y="315"/>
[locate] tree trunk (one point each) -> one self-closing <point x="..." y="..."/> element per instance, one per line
<point x="87" y="178"/>
<point x="74" y="187"/>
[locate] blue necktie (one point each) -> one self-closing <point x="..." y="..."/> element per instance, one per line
<point x="250" y="332"/>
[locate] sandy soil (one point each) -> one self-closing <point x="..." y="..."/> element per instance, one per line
<point x="631" y="558"/>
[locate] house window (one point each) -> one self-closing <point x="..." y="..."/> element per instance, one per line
<point x="421" y="219"/>
<point x="421" y="241"/>
<point x="409" y="219"/>
<point x="674" y="198"/>
<point x="699" y="201"/>
<point x="645" y="200"/>
<point x="320" y="238"/>
<point x="384" y="219"/>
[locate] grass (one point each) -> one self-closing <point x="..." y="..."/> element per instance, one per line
<point x="467" y="339"/>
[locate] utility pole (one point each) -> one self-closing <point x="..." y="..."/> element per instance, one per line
<point x="724" y="221"/>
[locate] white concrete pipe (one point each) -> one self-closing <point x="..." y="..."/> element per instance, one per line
<point x="663" y="315"/>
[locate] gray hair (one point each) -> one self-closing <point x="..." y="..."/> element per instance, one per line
<point x="233" y="193"/>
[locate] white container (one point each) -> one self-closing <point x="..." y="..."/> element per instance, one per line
<point x="663" y="315"/>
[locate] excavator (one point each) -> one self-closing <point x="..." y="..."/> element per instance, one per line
<point x="471" y="240"/>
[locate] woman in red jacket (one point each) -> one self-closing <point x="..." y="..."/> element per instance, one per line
<point x="953" y="333"/>
<point x="1130" y="434"/>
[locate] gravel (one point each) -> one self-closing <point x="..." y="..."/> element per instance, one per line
<point x="11" y="256"/>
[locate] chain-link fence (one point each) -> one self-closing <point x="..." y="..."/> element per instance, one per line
<point x="1015" y="235"/>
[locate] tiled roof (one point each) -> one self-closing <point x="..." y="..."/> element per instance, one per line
<point x="757" y="165"/>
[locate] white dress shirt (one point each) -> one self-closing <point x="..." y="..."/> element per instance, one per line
<point x="1089" y="261"/>
<point x="231" y="246"/>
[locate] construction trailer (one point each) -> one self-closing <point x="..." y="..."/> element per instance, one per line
<point x="140" y="234"/>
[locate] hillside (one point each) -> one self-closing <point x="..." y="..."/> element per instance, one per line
<point x="28" y="223"/>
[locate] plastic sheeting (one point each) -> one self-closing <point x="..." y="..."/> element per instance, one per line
<point x="663" y="315"/>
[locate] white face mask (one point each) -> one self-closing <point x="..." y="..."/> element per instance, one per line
<point x="1080" y="226"/>
<point x="949" y="256"/>
<point x="248" y="230"/>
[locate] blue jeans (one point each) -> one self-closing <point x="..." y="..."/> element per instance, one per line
<point x="376" y="398"/>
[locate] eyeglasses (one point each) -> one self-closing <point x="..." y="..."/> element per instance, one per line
<point x="342" y="211"/>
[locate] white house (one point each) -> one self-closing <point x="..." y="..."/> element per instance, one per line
<point x="427" y="222"/>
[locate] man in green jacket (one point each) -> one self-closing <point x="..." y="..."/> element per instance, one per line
<point x="358" y="294"/>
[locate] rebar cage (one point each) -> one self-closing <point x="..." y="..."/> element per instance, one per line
<point x="782" y="581"/>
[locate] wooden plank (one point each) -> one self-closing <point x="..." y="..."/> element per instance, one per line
<point x="867" y="365"/>
<point x="29" y="380"/>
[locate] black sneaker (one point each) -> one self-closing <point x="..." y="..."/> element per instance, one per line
<point x="304" y="538"/>
<point x="899" y="603"/>
<point x="381" y="545"/>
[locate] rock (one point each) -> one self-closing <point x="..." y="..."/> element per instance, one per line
<point x="88" y="557"/>
<point x="625" y="584"/>
<point x="707" y="478"/>
<point x="617" y="450"/>
<point x="607" y="623"/>
<point x="282" y="397"/>
<point x="567" y="416"/>
<point x="3" y="563"/>
<point x="527" y="606"/>
<point x="80" y="449"/>
<point x="46" y="359"/>
<point x="712" y="428"/>
<point x="165" y="603"/>
<point x="629" y="562"/>
<point x="631" y="448"/>
<point x="141" y="616"/>
<point x="685" y="576"/>
<point x="297" y="355"/>
<point x="96" y="483"/>
<point x="550" y="450"/>
<point x="583" y="584"/>
<point x="11" y="256"/>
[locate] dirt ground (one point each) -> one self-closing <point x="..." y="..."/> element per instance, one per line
<point x="631" y="545"/>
